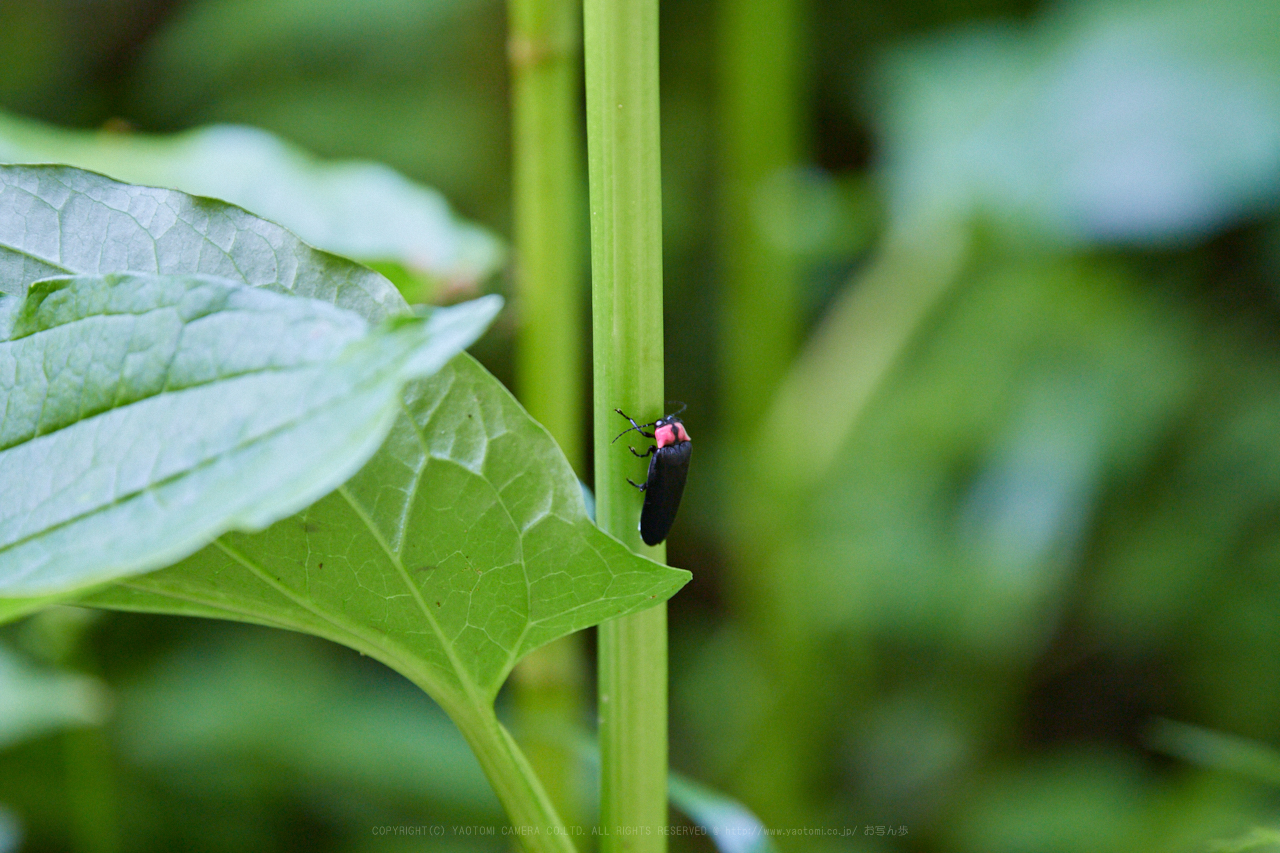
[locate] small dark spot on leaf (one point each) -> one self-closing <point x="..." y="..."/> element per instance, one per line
<point x="319" y="565"/>
<point x="310" y="527"/>
<point x="437" y="604"/>
<point x="421" y="569"/>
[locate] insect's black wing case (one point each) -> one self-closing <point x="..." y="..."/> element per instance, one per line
<point x="667" y="472"/>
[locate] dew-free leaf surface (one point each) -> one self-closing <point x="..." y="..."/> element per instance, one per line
<point x="56" y="220"/>
<point x="460" y="547"/>
<point x="141" y="416"/>
<point x="1129" y="123"/>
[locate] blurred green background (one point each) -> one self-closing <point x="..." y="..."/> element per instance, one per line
<point x="976" y="308"/>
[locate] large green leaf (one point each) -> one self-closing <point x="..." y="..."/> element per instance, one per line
<point x="56" y="220"/>
<point x="16" y="608"/>
<point x="145" y="415"/>
<point x="460" y="547"/>
<point x="362" y="210"/>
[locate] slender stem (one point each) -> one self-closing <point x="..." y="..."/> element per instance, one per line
<point x="530" y="810"/>
<point x="818" y="404"/>
<point x="544" y="49"/>
<point x="759" y="52"/>
<point x="621" y="52"/>
<point x="91" y="794"/>
<point x="548" y="702"/>
<point x="547" y="189"/>
<point x="633" y="732"/>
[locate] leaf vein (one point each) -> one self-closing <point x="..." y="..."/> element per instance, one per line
<point x="463" y="676"/>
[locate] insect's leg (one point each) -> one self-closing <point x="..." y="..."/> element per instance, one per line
<point x="652" y="450"/>
<point x="640" y="486"/>
<point x="635" y="426"/>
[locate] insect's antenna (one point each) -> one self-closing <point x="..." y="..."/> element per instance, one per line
<point x="679" y="410"/>
<point x="634" y="426"/>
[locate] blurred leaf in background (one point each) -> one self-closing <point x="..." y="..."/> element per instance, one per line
<point x="213" y="720"/>
<point x="417" y="84"/>
<point x="360" y="210"/>
<point x="238" y="738"/>
<point x="1136" y="121"/>
<point x="35" y="701"/>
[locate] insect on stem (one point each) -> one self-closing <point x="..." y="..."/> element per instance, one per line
<point x="668" y="468"/>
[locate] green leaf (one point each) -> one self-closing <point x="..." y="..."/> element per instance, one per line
<point x="1257" y="838"/>
<point x="362" y="210"/>
<point x="339" y="728"/>
<point x="1104" y="122"/>
<point x="10" y="830"/>
<point x="1216" y="750"/>
<point x="145" y="415"/>
<point x="598" y="578"/>
<point x="731" y="825"/>
<point x="16" y="608"/>
<point x="460" y="547"/>
<point x="56" y="220"/>
<point x="34" y="701"/>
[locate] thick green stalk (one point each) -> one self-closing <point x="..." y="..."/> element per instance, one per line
<point x="621" y="52"/>
<point x="759" y="53"/>
<point x="547" y="159"/>
<point x="546" y="152"/>
<point x="760" y="105"/>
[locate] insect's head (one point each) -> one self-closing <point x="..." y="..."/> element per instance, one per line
<point x="669" y="430"/>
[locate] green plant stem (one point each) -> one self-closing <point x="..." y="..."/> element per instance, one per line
<point x="819" y="403"/>
<point x="760" y="102"/>
<point x="548" y="701"/>
<point x="621" y="52"/>
<point x="529" y="809"/>
<point x="91" y="793"/>
<point x="544" y="42"/>
<point x="546" y="153"/>
<point x="633" y="732"/>
<point x="760" y="105"/>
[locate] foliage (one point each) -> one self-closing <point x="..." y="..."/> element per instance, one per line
<point x="1015" y="498"/>
<point x="363" y="211"/>
<point x="146" y="414"/>
<point x="34" y="701"/>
